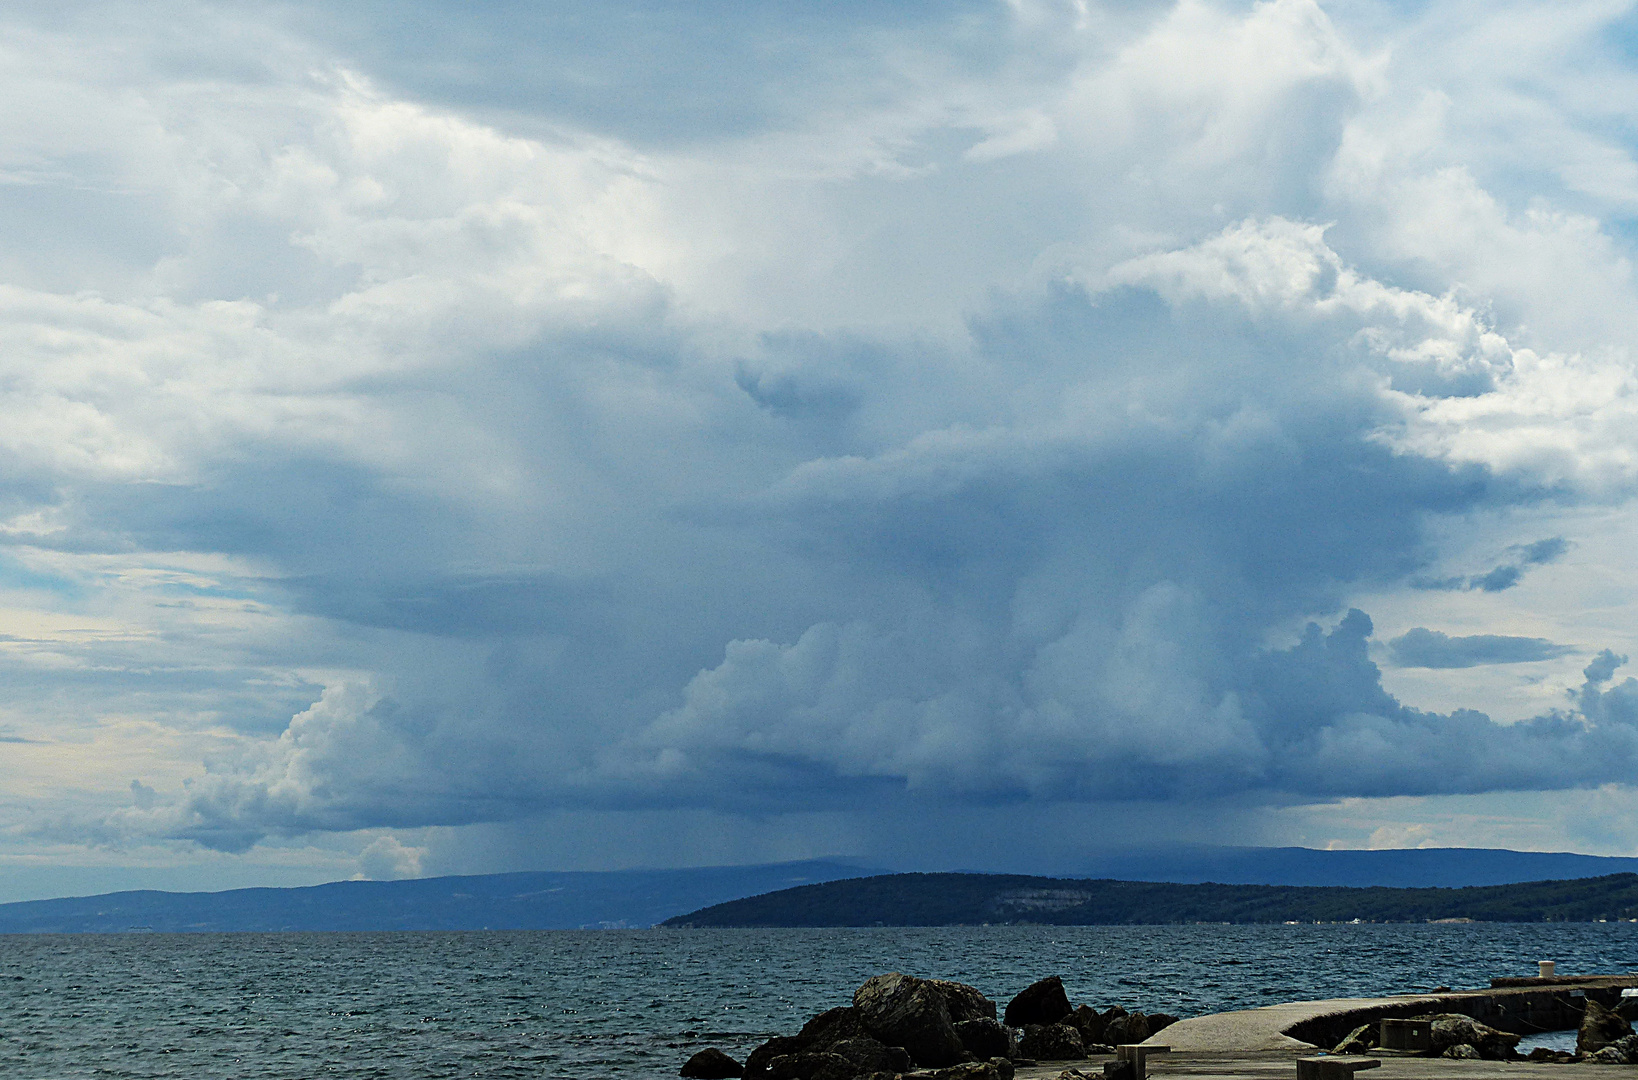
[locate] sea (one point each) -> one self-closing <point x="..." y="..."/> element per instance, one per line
<point x="637" y="1003"/>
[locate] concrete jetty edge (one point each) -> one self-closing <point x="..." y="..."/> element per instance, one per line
<point x="1522" y="1006"/>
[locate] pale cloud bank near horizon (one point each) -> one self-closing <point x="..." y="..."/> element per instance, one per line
<point x="559" y="436"/>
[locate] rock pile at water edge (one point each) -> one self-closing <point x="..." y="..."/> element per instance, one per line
<point x="934" y="1029"/>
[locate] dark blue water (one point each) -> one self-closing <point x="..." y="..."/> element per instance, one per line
<point x="637" y="1003"/>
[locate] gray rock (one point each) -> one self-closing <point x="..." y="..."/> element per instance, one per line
<point x="1003" y="1068"/>
<point x="870" y="1055"/>
<point x="1599" y="1028"/>
<point x="1461" y="1050"/>
<point x="1052" y="1042"/>
<point x="971" y="1070"/>
<point x="987" y="1038"/>
<point x="1114" y="1025"/>
<point x="711" y="1064"/>
<point x="1125" y="1028"/>
<point x="1359" y="1040"/>
<point x="1089" y="1022"/>
<point x="832" y="1025"/>
<point x="1454" y="1029"/>
<point x="902" y="1010"/>
<point x="1623" y="1051"/>
<point x="812" y="1065"/>
<point x="1042" y="1002"/>
<point x="964" y="1002"/>
<point x="756" y="1063"/>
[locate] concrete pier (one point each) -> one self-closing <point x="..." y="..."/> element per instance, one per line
<point x="1263" y="1044"/>
<point x="1278" y="1066"/>
<point x="1521" y="1006"/>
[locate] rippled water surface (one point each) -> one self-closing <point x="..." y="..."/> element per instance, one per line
<point x="636" y="1003"/>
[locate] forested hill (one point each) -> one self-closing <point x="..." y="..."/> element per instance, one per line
<point x="978" y="899"/>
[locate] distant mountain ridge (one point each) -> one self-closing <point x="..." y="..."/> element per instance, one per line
<point x="551" y="900"/>
<point x="989" y="899"/>
<point x="539" y="900"/>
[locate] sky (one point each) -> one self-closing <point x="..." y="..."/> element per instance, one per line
<point x="453" y="438"/>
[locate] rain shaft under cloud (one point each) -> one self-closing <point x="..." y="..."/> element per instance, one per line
<point x="1016" y="421"/>
<point x="1067" y="595"/>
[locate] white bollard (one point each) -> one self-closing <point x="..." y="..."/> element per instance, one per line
<point x="1545" y="969"/>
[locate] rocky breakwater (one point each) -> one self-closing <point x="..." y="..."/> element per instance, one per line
<point x="1452" y="1035"/>
<point x="900" y="1025"/>
<point x="1605" y="1037"/>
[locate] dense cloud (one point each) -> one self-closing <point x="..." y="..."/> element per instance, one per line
<point x="1421" y="647"/>
<point x="1050" y="602"/>
<point x="993" y="407"/>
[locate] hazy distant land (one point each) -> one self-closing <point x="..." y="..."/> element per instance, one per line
<point x="640" y="898"/>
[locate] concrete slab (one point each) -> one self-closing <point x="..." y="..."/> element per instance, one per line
<point x="1283" y="1066"/>
<point x="1544" y="1005"/>
<point x="1252" y="1031"/>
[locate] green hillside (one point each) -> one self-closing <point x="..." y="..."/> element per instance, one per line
<point x="978" y="899"/>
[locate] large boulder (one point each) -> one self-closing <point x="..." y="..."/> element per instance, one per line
<point x="1052" y="1042"/>
<point x="1599" y="1028"/>
<point x="1130" y="1028"/>
<point x="975" y="1070"/>
<point x="902" y="1010"/>
<point x="870" y="1056"/>
<point x="756" y="1063"/>
<point x="1114" y="1012"/>
<point x="832" y="1025"/>
<point x="964" y="1002"/>
<point x="812" y="1065"/>
<point x="986" y="1038"/>
<point x="1454" y="1029"/>
<point x="711" y="1064"/>
<point x="1042" y="1002"/>
<point x="778" y="1046"/>
<point x="1089" y="1022"/>
<point x="1623" y="1051"/>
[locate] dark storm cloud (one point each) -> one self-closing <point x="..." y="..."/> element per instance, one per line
<point x="1420" y="647"/>
<point x="1030" y="607"/>
<point x="744" y="409"/>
